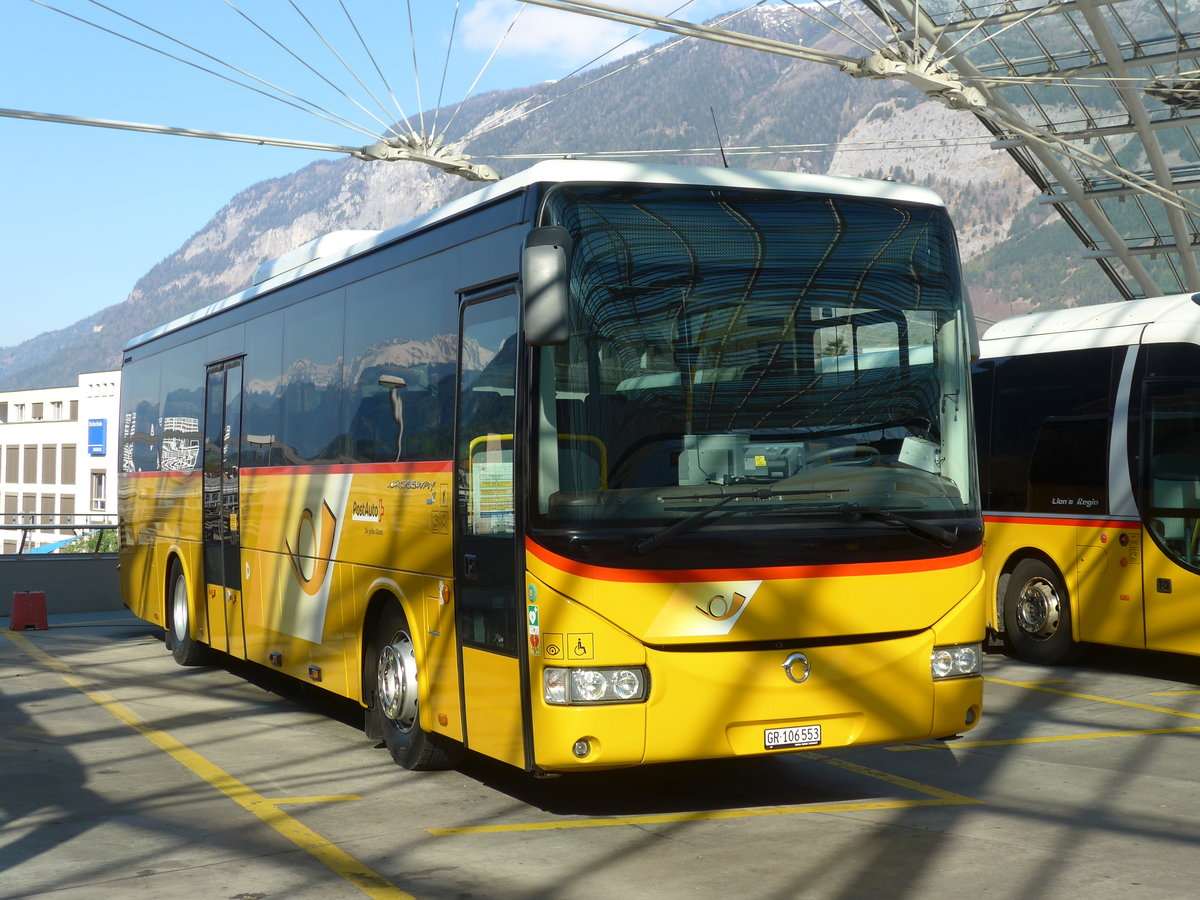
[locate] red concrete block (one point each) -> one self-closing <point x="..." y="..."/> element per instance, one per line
<point x="28" y="611"/>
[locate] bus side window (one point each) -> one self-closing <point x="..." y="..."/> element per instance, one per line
<point x="312" y="379"/>
<point x="262" y="404"/>
<point x="401" y="352"/>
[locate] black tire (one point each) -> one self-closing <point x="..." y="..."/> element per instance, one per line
<point x="390" y="679"/>
<point x="1037" y="614"/>
<point x="186" y="650"/>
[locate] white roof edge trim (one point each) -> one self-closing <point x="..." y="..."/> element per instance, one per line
<point x="1118" y="324"/>
<point x="276" y="273"/>
<point x="331" y="244"/>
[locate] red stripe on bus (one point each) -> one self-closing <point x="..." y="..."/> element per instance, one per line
<point x="762" y="573"/>
<point x="1127" y="524"/>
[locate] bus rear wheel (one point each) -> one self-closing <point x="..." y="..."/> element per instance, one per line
<point x="392" y="677"/>
<point x="1037" y="614"/>
<point x="186" y="650"/>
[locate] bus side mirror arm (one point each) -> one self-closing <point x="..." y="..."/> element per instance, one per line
<point x="545" y="285"/>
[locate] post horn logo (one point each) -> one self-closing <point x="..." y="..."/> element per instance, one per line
<point x="719" y="607"/>
<point x="322" y="541"/>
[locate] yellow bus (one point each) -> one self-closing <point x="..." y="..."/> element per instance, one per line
<point x="1089" y="446"/>
<point x="600" y="465"/>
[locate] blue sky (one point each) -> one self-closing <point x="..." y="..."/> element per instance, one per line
<point x="87" y="211"/>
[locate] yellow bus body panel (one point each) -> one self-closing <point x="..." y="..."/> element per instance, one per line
<point x="493" y="709"/>
<point x="161" y="518"/>
<point x="316" y="546"/>
<point x="1100" y="563"/>
<point x="711" y="703"/>
<point x="1111" y="570"/>
<point x="319" y="546"/>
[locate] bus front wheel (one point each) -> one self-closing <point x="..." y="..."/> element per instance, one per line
<point x="1037" y="614"/>
<point x="186" y="650"/>
<point x="393" y="677"/>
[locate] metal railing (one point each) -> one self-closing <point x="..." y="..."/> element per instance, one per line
<point x="23" y="534"/>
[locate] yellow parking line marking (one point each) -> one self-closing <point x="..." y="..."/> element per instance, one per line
<point x="948" y="797"/>
<point x="339" y="861"/>
<point x="937" y="797"/>
<point x="1034" y="686"/>
<point x="1173" y="693"/>
<point x="1049" y="739"/>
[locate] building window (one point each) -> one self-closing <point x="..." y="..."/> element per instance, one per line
<point x="49" y="464"/>
<point x="99" y="485"/>
<point x="56" y="410"/>
<point x="68" y="464"/>
<point x="18" y="412"/>
<point x="66" y="512"/>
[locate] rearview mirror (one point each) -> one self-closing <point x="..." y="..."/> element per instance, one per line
<point x="545" y="285"/>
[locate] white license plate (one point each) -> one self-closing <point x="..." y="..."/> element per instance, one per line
<point x="789" y="738"/>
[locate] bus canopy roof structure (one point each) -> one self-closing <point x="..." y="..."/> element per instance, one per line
<point x="1099" y="103"/>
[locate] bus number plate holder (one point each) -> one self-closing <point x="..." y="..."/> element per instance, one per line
<point x="791" y="738"/>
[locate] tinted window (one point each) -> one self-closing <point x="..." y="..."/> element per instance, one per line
<point x="1046" y="448"/>
<point x="312" y="380"/>
<point x="401" y="349"/>
<point x="262" y="407"/>
<point x="183" y="407"/>
<point x="1171" y="496"/>
<point x="140" y="432"/>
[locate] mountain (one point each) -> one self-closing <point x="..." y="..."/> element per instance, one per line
<point x="666" y="100"/>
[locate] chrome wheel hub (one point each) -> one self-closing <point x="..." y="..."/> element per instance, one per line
<point x="1039" y="609"/>
<point x="179" y="610"/>
<point x="396" y="687"/>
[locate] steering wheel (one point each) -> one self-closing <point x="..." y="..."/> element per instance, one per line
<point x="864" y="451"/>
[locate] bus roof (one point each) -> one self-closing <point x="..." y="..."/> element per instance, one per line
<point x="1153" y="320"/>
<point x="337" y="247"/>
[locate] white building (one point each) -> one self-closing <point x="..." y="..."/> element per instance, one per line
<point x="58" y="459"/>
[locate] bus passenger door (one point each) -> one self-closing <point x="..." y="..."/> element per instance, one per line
<point x="221" y="513"/>
<point x="1170" y="459"/>
<point x="486" y="472"/>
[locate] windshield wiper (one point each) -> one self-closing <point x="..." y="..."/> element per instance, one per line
<point x="848" y="511"/>
<point x="656" y="540"/>
<point x="944" y="536"/>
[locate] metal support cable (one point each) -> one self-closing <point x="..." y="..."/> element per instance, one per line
<point x="305" y="106"/>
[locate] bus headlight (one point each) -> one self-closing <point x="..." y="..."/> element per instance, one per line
<point x="609" y="684"/>
<point x="955" y="661"/>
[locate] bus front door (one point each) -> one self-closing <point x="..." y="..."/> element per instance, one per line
<point x="221" y="529"/>
<point x="1171" y="513"/>
<point x="487" y="594"/>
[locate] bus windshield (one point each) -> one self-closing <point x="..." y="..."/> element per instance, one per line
<point x="723" y="342"/>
